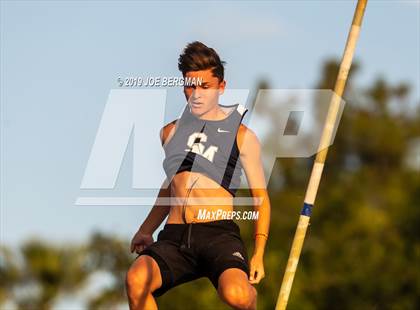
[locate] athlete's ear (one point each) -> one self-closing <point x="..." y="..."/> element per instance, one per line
<point x="222" y="86"/>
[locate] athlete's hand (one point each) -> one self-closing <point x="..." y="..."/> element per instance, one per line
<point x="140" y="241"/>
<point x="256" y="269"/>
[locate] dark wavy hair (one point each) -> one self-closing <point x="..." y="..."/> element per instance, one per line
<point x="197" y="56"/>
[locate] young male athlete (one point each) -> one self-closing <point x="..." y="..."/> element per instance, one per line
<point x="205" y="151"/>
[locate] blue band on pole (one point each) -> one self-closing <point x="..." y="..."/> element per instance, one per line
<point x="307" y="209"/>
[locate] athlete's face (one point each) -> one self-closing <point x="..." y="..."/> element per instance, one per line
<point x="203" y="97"/>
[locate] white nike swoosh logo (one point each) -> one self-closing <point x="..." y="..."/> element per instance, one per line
<point x="221" y="130"/>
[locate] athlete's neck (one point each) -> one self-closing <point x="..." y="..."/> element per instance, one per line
<point x="215" y="114"/>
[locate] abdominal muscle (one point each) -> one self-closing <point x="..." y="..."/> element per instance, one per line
<point x="193" y="191"/>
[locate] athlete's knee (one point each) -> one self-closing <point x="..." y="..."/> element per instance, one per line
<point x="239" y="296"/>
<point x="139" y="278"/>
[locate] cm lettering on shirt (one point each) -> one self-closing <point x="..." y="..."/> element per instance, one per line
<point x="195" y="146"/>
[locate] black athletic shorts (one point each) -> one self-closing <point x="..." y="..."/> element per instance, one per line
<point x="185" y="252"/>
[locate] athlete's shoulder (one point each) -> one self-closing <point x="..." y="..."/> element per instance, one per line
<point x="245" y="131"/>
<point x="167" y="131"/>
<point x="247" y="139"/>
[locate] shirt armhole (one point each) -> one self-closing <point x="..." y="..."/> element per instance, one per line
<point x="171" y="133"/>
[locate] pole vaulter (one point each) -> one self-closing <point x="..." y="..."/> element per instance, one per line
<point x="318" y="166"/>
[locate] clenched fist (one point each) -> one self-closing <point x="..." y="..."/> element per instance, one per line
<point x="140" y="241"/>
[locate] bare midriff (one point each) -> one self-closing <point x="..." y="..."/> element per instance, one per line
<point x="193" y="191"/>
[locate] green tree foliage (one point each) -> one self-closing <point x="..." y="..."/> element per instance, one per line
<point x="107" y="253"/>
<point x="362" y="249"/>
<point x="35" y="278"/>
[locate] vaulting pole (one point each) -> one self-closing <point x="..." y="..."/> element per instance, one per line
<point x="318" y="166"/>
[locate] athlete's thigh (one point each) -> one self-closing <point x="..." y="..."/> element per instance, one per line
<point x="225" y="251"/>
<point x="147" y="271"/>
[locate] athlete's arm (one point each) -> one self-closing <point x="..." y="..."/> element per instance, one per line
<point x="250" y="156"/>
<point x="160" y="210"/>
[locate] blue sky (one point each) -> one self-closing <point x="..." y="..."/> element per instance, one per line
<point x="59" y="61"/>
